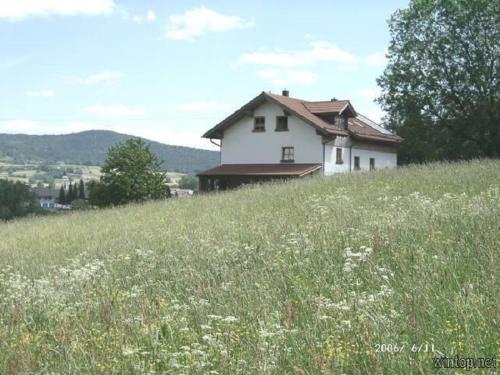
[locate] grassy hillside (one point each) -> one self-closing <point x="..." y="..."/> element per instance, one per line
<point x="304" y="277"/>
<point x="90" y="147"/>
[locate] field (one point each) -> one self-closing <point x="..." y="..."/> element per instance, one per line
<point x="33" y="172"/>
<point x="322" y="275"/>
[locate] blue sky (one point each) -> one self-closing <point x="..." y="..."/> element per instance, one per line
<point x="169" y="70"/>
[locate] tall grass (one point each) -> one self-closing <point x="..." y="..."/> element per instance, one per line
<point x="304" y="277"/>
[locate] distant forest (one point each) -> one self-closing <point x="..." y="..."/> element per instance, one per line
<point x="90" y="148"/>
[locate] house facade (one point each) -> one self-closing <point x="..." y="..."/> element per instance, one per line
<point x="276" y="136"/>
<point x="47" y="198"/>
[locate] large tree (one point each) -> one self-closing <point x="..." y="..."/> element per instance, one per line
<point x="131" y="173"/>
<point x="441" y="86"/>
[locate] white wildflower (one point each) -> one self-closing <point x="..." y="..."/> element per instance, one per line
<point x="345" y="324"/>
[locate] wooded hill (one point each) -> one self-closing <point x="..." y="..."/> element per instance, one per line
<point x="90" y="147"/>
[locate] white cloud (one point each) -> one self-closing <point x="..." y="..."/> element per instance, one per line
<point x="114" y="111"/>
<point x="199" y="21"/>
<point x="137" y="19"/>
<point x="377" y="59"/>
<point x="18" y="9"/>
<point x="279" y="77"/>
<point x="106" y="77"/>
<point x="17" y="126"/>
<point x="151" y="16"/>
<point x="211" y="105"/>
<point x="318" y="52"/>
<point x="41" y="94"/>
<point x="170" y="136"/>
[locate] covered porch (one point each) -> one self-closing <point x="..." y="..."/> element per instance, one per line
<point x="230" y="176"/>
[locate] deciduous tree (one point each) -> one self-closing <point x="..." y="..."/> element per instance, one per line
<point x="441" y="86"/>
<point x="131" y="173"/>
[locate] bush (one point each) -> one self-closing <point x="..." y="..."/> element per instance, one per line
<point x="188" y="182"/>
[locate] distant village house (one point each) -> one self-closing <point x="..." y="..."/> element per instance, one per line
<point x="47" y="198"/>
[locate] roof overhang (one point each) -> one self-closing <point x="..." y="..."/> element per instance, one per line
<point x="217" y="131"/>
<point x="269" y="170"/>
<point x="394" y="139"/>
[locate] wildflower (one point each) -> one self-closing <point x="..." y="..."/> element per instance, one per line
<point x="129" y="351"/>
<point x="345" y="324"/>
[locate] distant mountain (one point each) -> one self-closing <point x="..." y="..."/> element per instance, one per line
<point x="90" y="147"/>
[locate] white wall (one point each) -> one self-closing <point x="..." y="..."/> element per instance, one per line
<point x="384" y="157"/>
<point x="240" y="145"/>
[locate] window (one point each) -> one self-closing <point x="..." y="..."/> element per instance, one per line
<point x="281" y="123"/>
<point x="372" y="164"/>
<point x="339" y="156"/>
<point x="287" y="155"/>
<point x="259" y="124"/>
<point x="356" y="163"/>
<point x="341" y="121"/>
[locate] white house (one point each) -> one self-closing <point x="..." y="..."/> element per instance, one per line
<point x="47" y="198"/>
<point x="276" y="136"/>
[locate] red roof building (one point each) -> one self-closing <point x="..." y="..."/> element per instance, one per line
<point x="277" y="136"/>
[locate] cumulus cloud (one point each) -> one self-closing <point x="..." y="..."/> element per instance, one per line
<point x="19" y="9"/>
<point x="286" y="77"/>
<point x="114" y="111"/>
<point x="318" y="52"/>
<point x="106" y="77"/>
<point x="199" y="21"/>
<point x="41" y="94"/>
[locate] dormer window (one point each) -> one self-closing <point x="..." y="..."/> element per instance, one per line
<point x="341" y="121"/>
<point x="281" y="123"/>
<point x="344" y="122"/>
<point x="259" y="124"/>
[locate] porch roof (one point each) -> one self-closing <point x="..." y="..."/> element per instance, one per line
<point x="284" y="169"/>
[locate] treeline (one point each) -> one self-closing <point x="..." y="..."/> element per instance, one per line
<point x="75" y="191"/>
<point x="16" y="199"/>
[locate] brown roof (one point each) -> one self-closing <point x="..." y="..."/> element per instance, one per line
<point x="291" y="169"/>
<point x="362" y="130"/>
<point x="298" y="107"/>
<point x="331" y="106"/>
<point x="45" y="192"/>
<point x="358" y="127"/>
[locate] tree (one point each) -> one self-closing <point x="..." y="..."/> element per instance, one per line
<point x="81" y="190"/>
<point x="62" y="195"/>
<point x="188" y="182"/>
<point x="131" y="173"/>
<point x="441" y="86"/>
<point x="70" y="196"/>
<point x="16" y="199"/>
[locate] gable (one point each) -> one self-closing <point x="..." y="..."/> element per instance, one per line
<point x="315" y="114"/>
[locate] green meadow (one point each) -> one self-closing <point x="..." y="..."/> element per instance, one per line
<point x="368" y="273"/>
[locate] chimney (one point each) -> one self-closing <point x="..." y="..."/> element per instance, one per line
<point x="285" y="92"/>
<point x="333" y="100"/>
